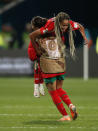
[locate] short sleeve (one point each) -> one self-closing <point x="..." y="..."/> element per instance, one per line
<point x="48" y="27"/>
<point x="74" y="25"/>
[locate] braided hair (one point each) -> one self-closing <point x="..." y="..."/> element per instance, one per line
<point x="59" y="18"/>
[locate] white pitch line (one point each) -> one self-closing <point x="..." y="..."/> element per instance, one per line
<point x="88" y="107"/>
<point x="49" y="127"/>
<point x="28" y="114"/>
<point x="27" y="106"/>
<point x="86" y="115"/>
<point x="50" y="107"/>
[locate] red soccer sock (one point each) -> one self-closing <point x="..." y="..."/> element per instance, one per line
<point x="36" y="78"/>
<point x="41" y="81"/>
<point x="57" y="101"/>
<point x="64" y="96"/>
<point x="41" y="78"/>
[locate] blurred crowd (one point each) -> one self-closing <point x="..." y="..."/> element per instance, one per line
<point x="10" y="38"/>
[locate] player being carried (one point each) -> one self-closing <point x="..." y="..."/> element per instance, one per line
<point x="52" y="61"/>
<point x="34" y="55"/>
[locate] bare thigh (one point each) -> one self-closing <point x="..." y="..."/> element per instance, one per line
<point x="59" y="84"/>
<point x="51" y="86"/>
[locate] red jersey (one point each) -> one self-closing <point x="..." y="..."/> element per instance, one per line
<point x="49" y="26"/>
<point x="52" y="75"/>
<point x="31" y="52"/>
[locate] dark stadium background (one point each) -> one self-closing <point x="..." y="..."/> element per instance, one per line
<point x="82" y="11"/>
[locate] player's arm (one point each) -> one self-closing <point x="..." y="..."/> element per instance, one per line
<point x="31" y="52"/>
<point x="49" y="27"/>
<point x="82" y="31"/>
<point x="78" y="26"/>
<point x="34" y="35"/>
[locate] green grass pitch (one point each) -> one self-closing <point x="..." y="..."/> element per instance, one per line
<point x="20" y="111"/>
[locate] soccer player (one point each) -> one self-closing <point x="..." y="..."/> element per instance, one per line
<point x="34" y="55"/>
<point x="52" y="61"/>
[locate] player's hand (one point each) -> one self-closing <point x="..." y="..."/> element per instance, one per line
<point x="50" y="27"/>
<point x="86" y="42"/>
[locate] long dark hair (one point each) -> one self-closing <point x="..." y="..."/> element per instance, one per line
<point x="38" y="21"/>
<point x="59" y="18"/>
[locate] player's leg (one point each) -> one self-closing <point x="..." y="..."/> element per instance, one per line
<point x="41" y="85"/>
<point x="41" y="88"/>
<point x="51" y="85"/>
<point x="36" y="84"/>
<point x="63" y="95"/>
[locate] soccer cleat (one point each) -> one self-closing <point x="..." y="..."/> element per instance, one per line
<point x="65" y="118"/>
<point x="41" y="90"/>
<point x="36" y="92"/>
<point x="73" y="111"/>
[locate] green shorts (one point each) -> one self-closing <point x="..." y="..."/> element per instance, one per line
<point x="52" y="79"/>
